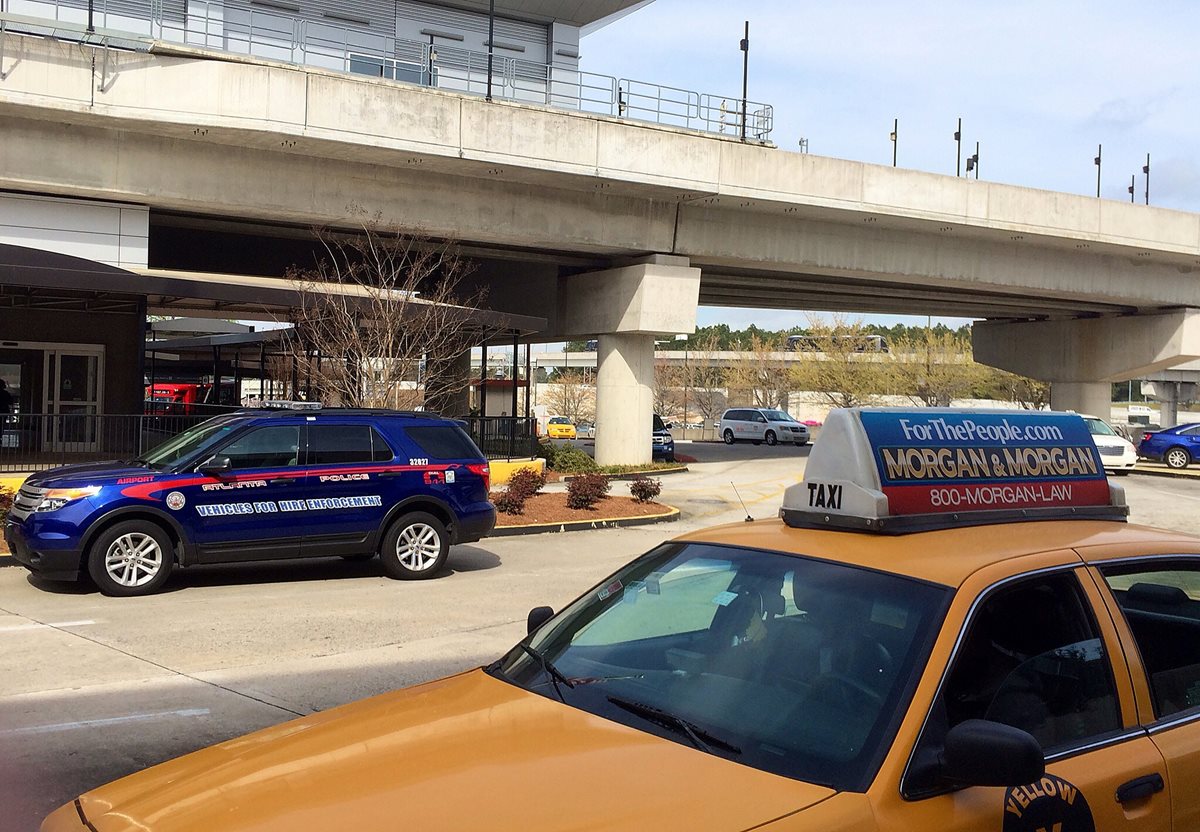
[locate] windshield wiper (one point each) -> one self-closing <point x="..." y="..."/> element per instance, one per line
<point x="556" y="676"/>
<point x="699" y="737"/>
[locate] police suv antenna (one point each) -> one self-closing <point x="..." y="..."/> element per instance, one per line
<point x="749" y="519"/>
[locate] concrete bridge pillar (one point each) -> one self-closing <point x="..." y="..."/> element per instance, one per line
<point x="1093" y="398"/>
<point x="1082" y="357"/>
<point x="626" y="307"/>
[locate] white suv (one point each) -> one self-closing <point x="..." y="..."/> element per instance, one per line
<point x="760" y="424"/>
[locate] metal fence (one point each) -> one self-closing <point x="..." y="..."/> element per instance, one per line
<point x="272" y="34"/>
<point x="504" y="437"/>
<point x="35" y="442"/>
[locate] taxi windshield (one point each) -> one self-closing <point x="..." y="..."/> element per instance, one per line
<point x="560" y="420"/>
<point x="777" y="416"/>
<point x="204" y="435"/>
<point x="795" y="666"/>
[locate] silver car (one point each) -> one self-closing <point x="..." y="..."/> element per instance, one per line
<point x="760" y="424"/>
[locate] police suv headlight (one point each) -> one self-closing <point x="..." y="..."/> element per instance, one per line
<point x="56" y="498"/>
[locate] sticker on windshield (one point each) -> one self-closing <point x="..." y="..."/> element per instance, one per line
<point x="1049" y="803"/>
<point x="724" y="599"/>
<point x="631" y="591"/>
<point x="611" y="589"/>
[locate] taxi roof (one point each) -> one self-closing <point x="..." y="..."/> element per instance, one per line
<point x="945" y="556"/>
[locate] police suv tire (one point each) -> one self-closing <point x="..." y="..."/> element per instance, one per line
<point x="120" y="557"/>
<point x="771" y="438"/>
<point x="415" y="547"/>
<point x="728" y="437"/>
<point x="1177" y="458"/>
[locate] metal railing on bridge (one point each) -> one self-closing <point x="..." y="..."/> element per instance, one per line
<point x="274" y="35"/>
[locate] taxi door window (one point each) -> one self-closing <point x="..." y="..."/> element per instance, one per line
<point x="1034" y="659"/>
<point x="276" y="446"/>
<point x="1162" y="607"/>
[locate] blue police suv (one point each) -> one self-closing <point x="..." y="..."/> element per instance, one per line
<point x="260" y="485"/>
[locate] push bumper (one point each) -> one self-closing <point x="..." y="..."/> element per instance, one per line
<point x="51" y="564"/>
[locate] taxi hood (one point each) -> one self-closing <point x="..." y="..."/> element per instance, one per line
<point x="89" y="473"/>
<point x="465" y="753"/>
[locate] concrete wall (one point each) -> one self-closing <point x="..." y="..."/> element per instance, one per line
<point x="100" y="231"/>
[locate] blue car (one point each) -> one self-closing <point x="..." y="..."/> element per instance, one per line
<point x="260" y="485"/>
<point x="662" y="444"/>
<point x="1178" y="446"/>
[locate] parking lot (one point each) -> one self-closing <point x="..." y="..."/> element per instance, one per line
<point x="92" y="688"/>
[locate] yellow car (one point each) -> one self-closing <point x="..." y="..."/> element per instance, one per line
<point x="949" y="627"/>
<point x="560" y="427"/>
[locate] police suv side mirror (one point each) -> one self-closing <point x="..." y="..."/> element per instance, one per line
<point x="979" y="752"/>
<point x="218" y="466"/>
<point x="538" y="616"/>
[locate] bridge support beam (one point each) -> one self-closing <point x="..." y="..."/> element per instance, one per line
<point x="626" y="308"/>
<point x="1082" y="357"/>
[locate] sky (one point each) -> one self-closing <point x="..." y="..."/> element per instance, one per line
<point x="1038" y="84"/>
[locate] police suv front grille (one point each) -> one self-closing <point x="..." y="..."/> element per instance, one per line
<point x="27" y="499"/>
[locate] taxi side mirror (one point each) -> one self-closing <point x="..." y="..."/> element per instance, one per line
<point x="979" y="752"/>
<point x="538" y="616"/>
<point x="218" y="466"/>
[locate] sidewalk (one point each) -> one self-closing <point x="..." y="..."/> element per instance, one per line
<point x="1158" y="469"/>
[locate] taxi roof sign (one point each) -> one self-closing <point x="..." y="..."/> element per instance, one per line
<point x="897" y="470"/>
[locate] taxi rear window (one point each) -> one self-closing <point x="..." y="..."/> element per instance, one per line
<point x="444" y="442"/>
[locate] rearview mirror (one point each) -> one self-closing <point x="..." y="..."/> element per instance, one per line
<point x="218" y="466"/>
<point x="538" y="616"/>
<point x="979" y="752"/>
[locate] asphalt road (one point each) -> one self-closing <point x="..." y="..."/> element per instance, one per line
<point x="92" y="688"/>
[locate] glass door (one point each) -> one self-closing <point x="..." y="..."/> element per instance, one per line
<point x="73" y="398"/>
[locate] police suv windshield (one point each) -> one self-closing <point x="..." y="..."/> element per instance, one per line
<point x="204" y="435"/>
<point x="790" y="665"/>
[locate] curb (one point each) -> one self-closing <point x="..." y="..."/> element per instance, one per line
<point x="585" y="525"/>
<point x="632" y="475"/>
<point x="1167" y="473"/>
<point x="8" y="560"/>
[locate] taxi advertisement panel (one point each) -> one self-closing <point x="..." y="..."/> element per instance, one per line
<point x="951" y="462"/>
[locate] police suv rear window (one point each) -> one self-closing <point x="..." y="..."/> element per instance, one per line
<point x="341" y="444"/>
<point x="444" y="442"/>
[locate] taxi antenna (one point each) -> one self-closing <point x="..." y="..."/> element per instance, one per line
<point x="749" y="519"/>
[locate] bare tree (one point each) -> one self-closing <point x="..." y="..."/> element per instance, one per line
<point x="375" y="312"/>
<point x="569" y="395"/>
<point x="668" y="395"/>
<point x="843" y="372"/>
<point x="704" y="379"/>
<point x="933" y="369"/>
<point x="759" y="375"/>
<point x="1029" y="393"/>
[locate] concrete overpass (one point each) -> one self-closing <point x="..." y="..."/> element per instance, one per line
<point x="601" y="225"/>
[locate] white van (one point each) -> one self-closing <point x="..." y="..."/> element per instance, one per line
<point x="760" y="424"/>
<point x="1117" y="453"/>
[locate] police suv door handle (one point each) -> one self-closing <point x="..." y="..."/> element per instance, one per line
<point x="1140" y="787"/>
<point x="281" y="480"/>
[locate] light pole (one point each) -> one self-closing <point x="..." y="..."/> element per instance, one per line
<point x="1099" y="158"/>
<point x="958" y="151"/>
<point x="895" y="136"/>
<point x="491" y="43"/>
<point x="1132" y="186"/>
<point x="973" y="162"/>
<point x="745" y="47"/>
<point x="432" y="58"/>
<point x="1146" y="170"/>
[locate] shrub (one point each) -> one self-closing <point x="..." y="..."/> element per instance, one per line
<point x="524" y="484"/>
<point x="567" y="458"/>
<point x="6" y="501"/>
<point x="586" y="490"/>
<point x="645" y="489"/>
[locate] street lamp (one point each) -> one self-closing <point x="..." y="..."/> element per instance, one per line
<point x="958" y="151"/>
<point x="1146" y="170"/>
<point x="973" y="162"/>
<point x="491" y="42"/>
<point x="1097" y="161"/>
<point x="1132" y="186"/>
<point x="432" y="57"/>
<point x="745" y="47"/>
<point x="895" y="135"/>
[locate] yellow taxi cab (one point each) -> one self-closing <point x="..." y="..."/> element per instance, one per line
<point x="560" y="427"/>
<point x="950" y="626"/>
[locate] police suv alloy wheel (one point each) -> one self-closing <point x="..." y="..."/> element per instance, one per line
<point x="1177" y="458"/>
<point x="415" y="547"/>
<point x="728" y="436"/>
<point x="771" y="438"/>
<point x="131" y="558"/>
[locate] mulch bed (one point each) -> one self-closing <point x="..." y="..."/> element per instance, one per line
<point x="552" y="508"/>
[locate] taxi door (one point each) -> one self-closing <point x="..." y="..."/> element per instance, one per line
<point x="1155" y="600"/>
<point x="1036" y="650"/>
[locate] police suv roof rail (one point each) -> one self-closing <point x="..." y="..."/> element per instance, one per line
<point x="895" y="470"/>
